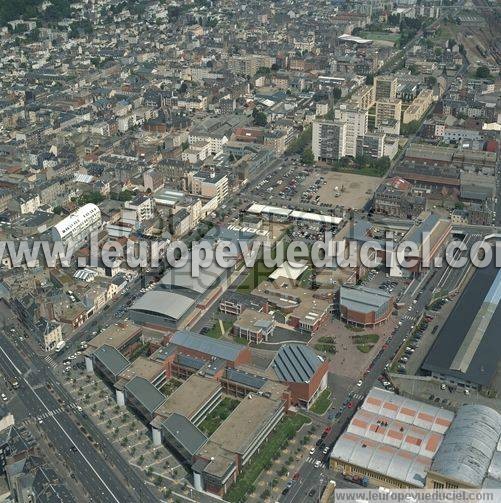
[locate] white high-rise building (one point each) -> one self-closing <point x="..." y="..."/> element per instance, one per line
<point x="356" y="120"/>
<point x="328" y="140"/>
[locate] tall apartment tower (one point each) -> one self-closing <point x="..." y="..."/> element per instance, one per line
<point x="385" y="86"/>
<point x="328" y="140"/>
<point x="356" y="120"/>
<point x="388" y="109"/>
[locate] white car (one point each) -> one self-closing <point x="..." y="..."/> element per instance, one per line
<point x="312" y="450"/>
<point x="4" y="397"/>
<point x="318" y="463"/>
<point x="359" y="383"/>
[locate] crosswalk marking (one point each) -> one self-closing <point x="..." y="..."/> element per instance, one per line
<point x="50" y="361"/>
<point x="50" y="413"/>
<point x="358" y="396"/>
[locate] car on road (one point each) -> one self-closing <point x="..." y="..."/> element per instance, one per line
<point x="326" y="449"/>
<point x="350" y="405"/>
<point x="359" y="383"/>
<point x="289" y="484"/>
<point x="285" y="491"/>
<point x="318" y="463"/>
<point x="312" y="492"/>
<point x="4" y="397"/>
<point x="312" y="450"/>
<point x="296" y="476"/>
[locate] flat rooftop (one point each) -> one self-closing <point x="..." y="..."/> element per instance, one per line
<point x="190" y="397"/>
<point x="140" y="367"/>
<point x="115" y="336"/>
<point x="245" y="423"/>
<point x="254" y="320"/>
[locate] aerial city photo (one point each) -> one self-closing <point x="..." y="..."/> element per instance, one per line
<point x="250" y="251"/>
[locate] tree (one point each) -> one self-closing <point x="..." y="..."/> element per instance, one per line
<point x="413" y="69"/>
<point x="482" y="72"/>
<point x="369" y="79"/>
<point x="262" y="71"/>
<point x="337" y="92"/>
<point x="307" y="157"/>
<point x="260" y="118"/>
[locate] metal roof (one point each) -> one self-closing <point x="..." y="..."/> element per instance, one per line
<point x="456" y="335"/>
<point x="416" y="232"/>
<point x="168" y="304"/>
<point x="394" y="436"/>
<point x="112" y="359"/>
<point x="189" y="361"/>
<point x="469" y="445"/>
<point x="245" y="378"/>
<point x="381" y="458"/>
<point x="183" y="278"/>
<point x="213" y="347"/>
<point x="185" y="432"/>
<point x="145" y="393"/>
<point x="363" y="299"/>
<point x="407" y="410"/>
<point x="296" y="363"/>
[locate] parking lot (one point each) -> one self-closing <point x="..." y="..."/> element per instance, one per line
<point x="422" y="338"/>
<point x="330" y="188"/>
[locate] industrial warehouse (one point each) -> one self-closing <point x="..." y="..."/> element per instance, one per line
<point x="467" y="349"/>
<point x="397" y="442"/>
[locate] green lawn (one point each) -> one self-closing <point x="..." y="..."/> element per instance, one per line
<point x="215" y="331"/>
<point x="224" y="408"/>
<point x="353" y="328"/>
<point x="276" y="442"/>
<point x="256" y="275"/>
<point x="322" y="403"/>
<point x="326" y="344"/>
<point x="365" y="342"/>
<point x="170" y="386"/>
<point x="380" y="35"/>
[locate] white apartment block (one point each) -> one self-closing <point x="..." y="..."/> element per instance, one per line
<point x="356" y="120"/>
<point x="328" y="140"/>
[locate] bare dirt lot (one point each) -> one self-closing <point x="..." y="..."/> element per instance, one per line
<point x="353" y="190"/>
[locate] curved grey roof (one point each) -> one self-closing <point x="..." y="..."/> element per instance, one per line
<point x="183" y="277"/>
<point x="145" y="393"/>
<point x="469" y="445"/>
<point x="164" y="303"/>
